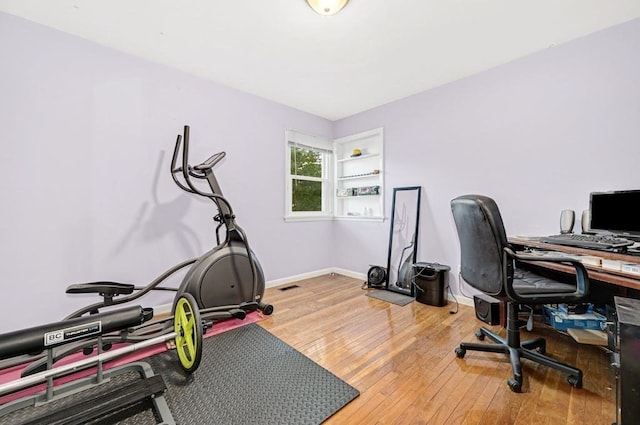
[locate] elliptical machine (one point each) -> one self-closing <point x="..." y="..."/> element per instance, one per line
<point x="228" y="276"/>
<point x="225" y="282"/>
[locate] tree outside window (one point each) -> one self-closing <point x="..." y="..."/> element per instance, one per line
<point x="306" y="184"/>
<point x="309" y="179"/>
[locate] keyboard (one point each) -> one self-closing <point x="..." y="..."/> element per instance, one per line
<point x="588" y="241"/>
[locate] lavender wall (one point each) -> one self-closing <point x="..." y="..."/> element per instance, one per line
<point x="538" y="134"/>
<point x="87" y="134"/>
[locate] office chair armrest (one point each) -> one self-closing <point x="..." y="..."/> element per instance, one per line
<point x="582" y="279"/>
<point x="559" y="259"/>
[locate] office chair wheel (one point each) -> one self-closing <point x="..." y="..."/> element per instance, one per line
<point x="460" y="352"/>
<point x="480" y="335"/>
<point x="574" y="381"/>
<point x="514" y="385"/>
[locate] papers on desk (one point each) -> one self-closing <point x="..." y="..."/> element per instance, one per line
<point x="630" y="268"/>
<point x="545" y="253"/>
<point x="619" y="266"/>
<point x="612" y="265"/>
<point x="591" y="260"/>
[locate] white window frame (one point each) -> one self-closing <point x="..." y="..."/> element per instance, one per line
<point x="325" y="146"/>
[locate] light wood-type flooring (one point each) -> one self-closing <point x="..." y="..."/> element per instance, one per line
<point x="402" y="361"/>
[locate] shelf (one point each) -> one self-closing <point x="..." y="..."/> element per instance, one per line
<point x="364" y="176"/>
<point x="355" y="158"/>
<point x="359" y="177"/>
<point x="356" y="196"/>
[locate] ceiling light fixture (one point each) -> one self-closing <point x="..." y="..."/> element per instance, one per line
<point x="327" y="7"/>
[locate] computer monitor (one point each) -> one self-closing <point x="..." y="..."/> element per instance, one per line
<point x="616" y="212"/>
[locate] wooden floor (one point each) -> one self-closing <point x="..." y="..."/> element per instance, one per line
<point x="402" y="361"/>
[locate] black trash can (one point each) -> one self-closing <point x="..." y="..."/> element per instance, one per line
<point x="430" y="281"/>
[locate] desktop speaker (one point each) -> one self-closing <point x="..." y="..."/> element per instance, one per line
<point x="487" y="309"/>
<point x="567" y="219"/>
<point x="585" y="222"/>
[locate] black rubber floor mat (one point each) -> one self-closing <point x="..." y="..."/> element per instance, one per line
<point x="248" y="375"/>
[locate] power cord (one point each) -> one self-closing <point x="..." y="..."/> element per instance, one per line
<point x="455" y="299"/>
<point x="460" y="280"/>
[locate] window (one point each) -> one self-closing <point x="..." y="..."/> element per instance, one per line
<point x="309" y="188"/>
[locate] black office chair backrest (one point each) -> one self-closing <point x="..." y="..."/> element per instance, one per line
<point x="482" y="239"/>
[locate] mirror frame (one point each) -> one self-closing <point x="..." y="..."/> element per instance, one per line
<point x="413" y="256"/>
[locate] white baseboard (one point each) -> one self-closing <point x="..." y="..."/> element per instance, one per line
<point x="166" y="308"/>
<point x="309" y="275"/>
<point x="349" y="273"/>
<point x="295" y="278"/>
<point x="463" y="300"/>
<point x="162" y="310"/>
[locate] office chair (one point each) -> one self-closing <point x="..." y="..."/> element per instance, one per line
<point x="488" y="265"/>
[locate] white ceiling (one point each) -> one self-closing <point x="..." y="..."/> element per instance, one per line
<point x="371" y="53"/>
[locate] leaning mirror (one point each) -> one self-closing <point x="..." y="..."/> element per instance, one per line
<point x="403" y="239"/>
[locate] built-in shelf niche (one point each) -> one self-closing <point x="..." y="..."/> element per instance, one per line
<point x="359" y="176"/>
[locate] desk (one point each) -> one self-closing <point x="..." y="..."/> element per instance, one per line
<point x="624" y="284"/>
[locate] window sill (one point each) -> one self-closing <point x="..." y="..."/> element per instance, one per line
<point x="294" y="218"/>
<point x="358" y="218"/>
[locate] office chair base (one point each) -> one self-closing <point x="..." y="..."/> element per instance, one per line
<point x="533" y="350"/>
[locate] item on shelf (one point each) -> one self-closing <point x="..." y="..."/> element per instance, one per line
<point x="356" y="152"/>
<point x="350" y="176"/>
<point x="367" y="190"/>
<point x="344" y="192"/>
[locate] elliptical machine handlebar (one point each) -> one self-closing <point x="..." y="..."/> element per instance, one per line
<point x="201" y="171"/>
<point x="206" y="165"/>
<point x="209" y="163"/>
<point x="175" y="170"/>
